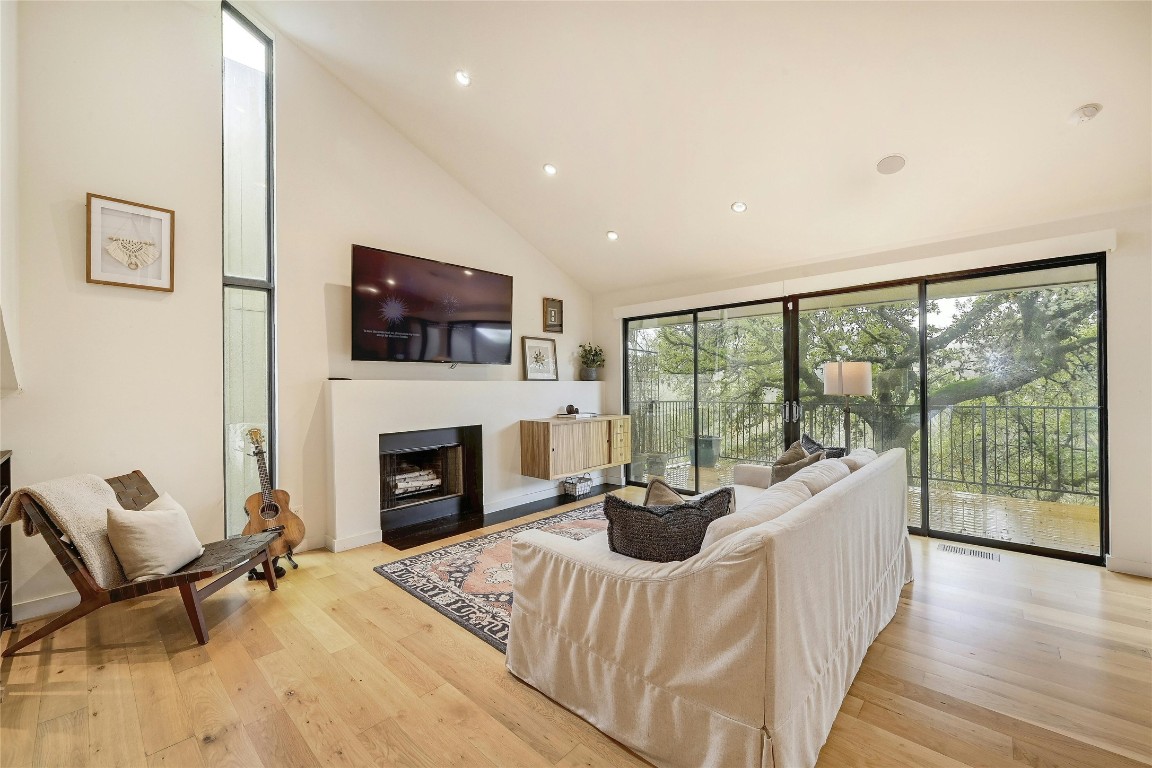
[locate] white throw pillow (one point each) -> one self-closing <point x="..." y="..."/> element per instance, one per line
<point x="859" y="458"/>
<point x="769" y="505"/>
<point x="822" y="474"/>
<point x="155" y="541"/>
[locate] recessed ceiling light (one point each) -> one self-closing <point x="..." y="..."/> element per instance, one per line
<point x="549" y="169"/>
<point x="739" y="207"/>
<point x="467" y="271"/>
<point x="1085" y="113"/>
<point x="891" y="164"/>
<point x="463" y="78"/>
<point x="612" y="236"/>
<point x="390" y="281"/>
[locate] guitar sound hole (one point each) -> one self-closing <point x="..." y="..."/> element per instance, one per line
<point x="269" y="511"/>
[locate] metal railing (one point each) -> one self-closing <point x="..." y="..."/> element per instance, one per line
<point x="1014" y="450"/>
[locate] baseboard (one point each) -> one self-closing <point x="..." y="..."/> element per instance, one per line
<point x="1133" y="567"/>
<point x="527" y="498"/>
<point x="44" y="606"/>
<point x="351" y="542"/>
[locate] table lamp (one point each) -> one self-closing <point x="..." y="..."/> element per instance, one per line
<point x="847" y="379"/>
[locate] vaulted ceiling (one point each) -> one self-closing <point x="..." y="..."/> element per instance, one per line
<point x="658" y="116"/>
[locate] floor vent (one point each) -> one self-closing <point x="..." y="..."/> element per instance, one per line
<point x="966" y="551"/>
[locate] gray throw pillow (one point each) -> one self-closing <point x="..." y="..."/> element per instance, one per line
<point x="662" y="534"/>
<point x="811" y="446"/>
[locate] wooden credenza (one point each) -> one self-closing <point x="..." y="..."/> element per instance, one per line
<point x="554" y="448"/>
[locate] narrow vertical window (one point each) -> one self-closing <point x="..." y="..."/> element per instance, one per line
<point x="249" y="290"/>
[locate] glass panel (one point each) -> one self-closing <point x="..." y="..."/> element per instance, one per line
<point x="245" y="153"/>
<point x="880" y="327"/>
<point x="740" y="380"/>
<point x="246" y="404"/>
<point x="1013" y="439"/>
<point x="659" y="355"/>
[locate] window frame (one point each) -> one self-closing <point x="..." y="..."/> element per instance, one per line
<point x="267" y="286"/>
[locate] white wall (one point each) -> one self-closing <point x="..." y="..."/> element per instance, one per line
<point x="345" y="176"/>
<point x="124" y="99"/>
<point x="115" y="378"/>
<point x="1129" y="318"/>
<point x="9" y="191"/>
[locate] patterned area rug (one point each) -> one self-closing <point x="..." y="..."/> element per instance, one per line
<point x="471" y="582"/>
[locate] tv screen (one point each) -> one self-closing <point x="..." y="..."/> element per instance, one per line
<point x="408" y="309"/>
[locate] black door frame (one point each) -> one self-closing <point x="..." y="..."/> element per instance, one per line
<point x="791" y="308"/>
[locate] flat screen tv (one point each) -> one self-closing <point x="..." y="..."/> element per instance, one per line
<point x="408" y="309"/>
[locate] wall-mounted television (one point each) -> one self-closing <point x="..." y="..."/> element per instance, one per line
<point x="409" y="309"/>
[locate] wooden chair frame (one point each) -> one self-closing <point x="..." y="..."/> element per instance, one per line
<point x="233" y="557"/>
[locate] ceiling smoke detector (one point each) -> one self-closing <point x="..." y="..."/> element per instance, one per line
<point x="891" y="164"/>
<point x="1085" y="113"/>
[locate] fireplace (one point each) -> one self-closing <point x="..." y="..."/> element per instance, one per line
<point x="431" y="474"/>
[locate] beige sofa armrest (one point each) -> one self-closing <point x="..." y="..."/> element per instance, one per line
<point x="662" y="622"/>
<point x="758" y="475"/>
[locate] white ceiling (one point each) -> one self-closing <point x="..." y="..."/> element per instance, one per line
<point x="660" y="115"/>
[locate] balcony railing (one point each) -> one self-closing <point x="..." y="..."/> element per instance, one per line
<point x="1043" y="452"/>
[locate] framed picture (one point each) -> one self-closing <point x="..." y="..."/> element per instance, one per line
<point x="539" y="359"/>
<point x="553" y="316"/>
<point x="130" y="244"/>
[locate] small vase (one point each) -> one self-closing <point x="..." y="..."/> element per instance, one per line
<point x="589" y="374"/>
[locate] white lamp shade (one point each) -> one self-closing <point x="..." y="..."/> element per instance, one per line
<point x="848" y="378"/>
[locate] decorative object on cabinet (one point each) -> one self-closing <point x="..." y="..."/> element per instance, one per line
<point x="553" y="316"/>
<point x="591" y="361"/>
<point x="130" y="244"/>
<point x="539" y="359"/>
<point x="556" y="448"/>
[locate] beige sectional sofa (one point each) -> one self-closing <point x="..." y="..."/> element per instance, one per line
<point x="738" y="656"/>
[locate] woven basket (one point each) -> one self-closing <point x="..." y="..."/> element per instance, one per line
<point x="577" y="485"/>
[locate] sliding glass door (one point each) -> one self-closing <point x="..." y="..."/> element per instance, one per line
<point x="1014" y="409"/>
<point x="660" y="391"/>
<point x="990" y="381"/>
<point x="881" y="329"/>
<point x="705" y="391"/>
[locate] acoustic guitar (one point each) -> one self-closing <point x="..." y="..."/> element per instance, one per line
<point x="270" y="508"/>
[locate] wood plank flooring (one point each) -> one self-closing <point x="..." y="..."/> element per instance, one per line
<point x="1021" y="662"/>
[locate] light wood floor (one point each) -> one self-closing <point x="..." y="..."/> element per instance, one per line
<point x="1022" y="662"/>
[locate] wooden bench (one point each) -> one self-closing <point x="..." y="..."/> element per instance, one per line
<point x="232" y="557"/>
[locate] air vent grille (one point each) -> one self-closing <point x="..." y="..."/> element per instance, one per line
<point x="967" y="551"/>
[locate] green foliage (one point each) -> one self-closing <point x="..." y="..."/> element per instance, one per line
<point x="591" y="356"/>
<point x="1018" y="347"/>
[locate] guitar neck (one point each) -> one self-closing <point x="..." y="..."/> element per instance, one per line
<point x="265" y="480"/>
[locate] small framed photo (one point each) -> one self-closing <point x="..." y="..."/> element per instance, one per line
<point x="130" y="244"/>
<point x="539" y="359"/>
<point x="553" y="316"/>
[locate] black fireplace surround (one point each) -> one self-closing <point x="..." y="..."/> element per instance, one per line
<point x="431" y="474"/>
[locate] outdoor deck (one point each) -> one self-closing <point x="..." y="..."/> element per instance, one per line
<point x="1054" y="525"/>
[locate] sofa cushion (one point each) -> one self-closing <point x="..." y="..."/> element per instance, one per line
<point x="660" y="493"/>
<point x="759" y="475"/>
<point x="784" y="471"/>
<point x="822" y="474"/>
<point x="662" y="534"/>
<point x="769" y="505"/>
<point x="859" y="458"/>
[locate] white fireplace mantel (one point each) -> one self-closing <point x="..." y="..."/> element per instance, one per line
<point x="360" y="411"/>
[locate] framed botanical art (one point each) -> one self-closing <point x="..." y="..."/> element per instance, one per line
<point x="553" y="316"/>
<point x="130" y="244"/>
<point x="539" y="359"/>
